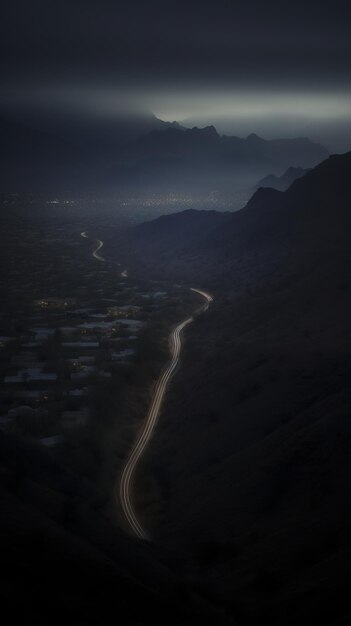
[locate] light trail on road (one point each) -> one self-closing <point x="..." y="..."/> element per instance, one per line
<point x="98" y="246"/>
<point x="126" y="481"/>
<point x="148" y="427"/>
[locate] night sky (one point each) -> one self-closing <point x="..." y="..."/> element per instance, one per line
<point x="261" y="64"/>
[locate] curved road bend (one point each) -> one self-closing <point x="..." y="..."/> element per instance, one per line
<point x="148" y="427"/>
<point x="126" y="482"/>
<point x="99" y="245"/>
<point x="97" y="256"/>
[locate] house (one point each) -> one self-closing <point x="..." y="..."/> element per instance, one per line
<point x="133" y="325"/>
<point x="21" y="411"/>
<point x="5" y="340"/>
<point x="25" y="359"/>
<point x="123" y="311"/>
<point x="77" y="393"/>
<point x="43" y="334"/>
<point x="30" y="374"/>
<point x="54" y="440"/>
<point x="67" y="331"/>
<point x="74" y="419"/>
<point x="81" y="361"/>
<point x="154" y="294"/>
<point x="7" y="423"/>
<point x="123" y="355"/>
<point x="97" y="325"/>
<point x="98" y="316"/>
<point x="55" y="303"/>
<point x="84" y="372"/>
<point x="33" y="394"/>
<point x="81" y="344"/>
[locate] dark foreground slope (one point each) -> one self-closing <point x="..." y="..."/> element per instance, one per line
<point x="271" y="239"/>
<point x="63" y="563"/>
<point x="251" y="466"/>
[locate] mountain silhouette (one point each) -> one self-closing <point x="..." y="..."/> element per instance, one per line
<point x="201" y="158"/>
<point x="281" y="183"/>
<point x="67" y="153"/>
<point x="272" y="222"/>
<point x="136" y="151"/>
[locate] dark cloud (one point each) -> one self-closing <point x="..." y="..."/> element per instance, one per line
<point x="153" y="39"/>
<point x="155" y="47"/>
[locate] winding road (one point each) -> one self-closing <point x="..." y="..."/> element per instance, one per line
<point x="99" y="245"/>
<point x="148" y="427"/>
<point x="126" y="482"/>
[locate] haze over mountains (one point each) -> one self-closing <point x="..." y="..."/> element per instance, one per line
<point x="131" y="152"/>
<point x="201" y="158"/>
<point x="65" y="152"/>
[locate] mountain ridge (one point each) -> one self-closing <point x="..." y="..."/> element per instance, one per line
<point x="270" y="217"/>
<point x="142" y="152"/>
<point x="283" y="182"/>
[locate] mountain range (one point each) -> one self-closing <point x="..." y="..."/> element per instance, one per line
<point x="273" y="223"/>
<point x="134" y="152"/>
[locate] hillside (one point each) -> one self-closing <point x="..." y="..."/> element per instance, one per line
<point x="283" y="182"/>
<point x="275" y="228"/>
<point x="64" y="562"/>
<point x="250" y="466"/>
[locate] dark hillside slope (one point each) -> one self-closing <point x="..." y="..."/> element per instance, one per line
<point x="251" y="462"/>
<point x="275" y="231"/>
<point x="282" y="183"/>
<point x="62" y="562"/>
